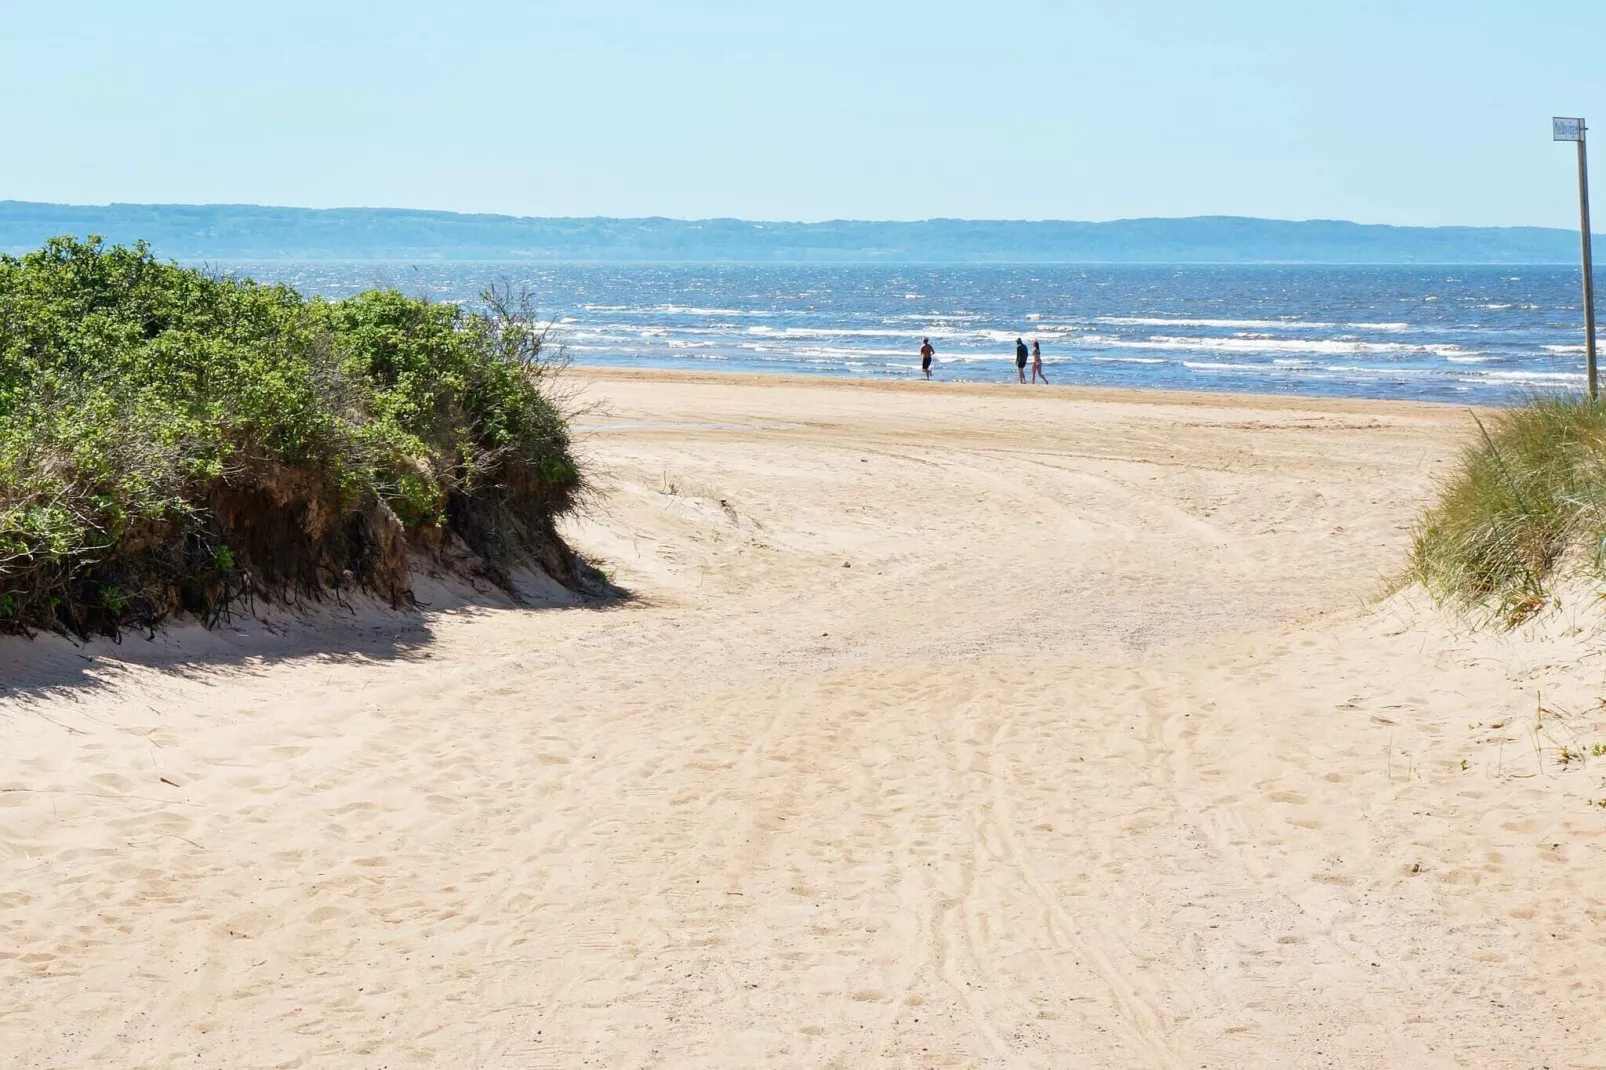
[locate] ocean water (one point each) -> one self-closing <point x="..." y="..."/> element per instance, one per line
<point x="1450" y="334"/>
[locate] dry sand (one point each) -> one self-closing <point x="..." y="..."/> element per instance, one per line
<point x="1098" y="755"/>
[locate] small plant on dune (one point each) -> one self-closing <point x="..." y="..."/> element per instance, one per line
<point x="170" y="440"/>
<point x="1528" y="498"/>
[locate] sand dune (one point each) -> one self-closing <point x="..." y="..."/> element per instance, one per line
<point x="951" y="726"/>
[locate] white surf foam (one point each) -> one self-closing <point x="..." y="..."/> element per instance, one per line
<point x="693" y="310"/>
<point x="1217" y="366"/>
<point x="1533" y="377"/>
<point x="1318" y="346"/>
<point x="1221" y="324"/>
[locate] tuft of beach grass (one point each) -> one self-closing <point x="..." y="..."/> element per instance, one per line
<point x="1526" y="504"/>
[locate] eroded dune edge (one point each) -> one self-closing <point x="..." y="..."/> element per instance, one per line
<point x="947" y="726"/>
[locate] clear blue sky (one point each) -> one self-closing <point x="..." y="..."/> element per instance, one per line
<point x="1425" y="112"/>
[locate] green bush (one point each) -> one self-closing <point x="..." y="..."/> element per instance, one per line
<point x="1528" y="501"/>
<point x="171" y="440"/>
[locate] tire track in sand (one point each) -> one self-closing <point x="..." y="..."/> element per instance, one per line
<point x="1147" y="1026"/>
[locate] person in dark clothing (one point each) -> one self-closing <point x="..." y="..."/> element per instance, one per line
<point x="926" y="353"/>
<point x="1020" y="359"/>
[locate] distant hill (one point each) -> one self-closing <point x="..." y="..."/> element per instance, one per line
<point x="244" y="231"/>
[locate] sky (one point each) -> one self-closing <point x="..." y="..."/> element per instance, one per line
<point x="1427" y="113"/>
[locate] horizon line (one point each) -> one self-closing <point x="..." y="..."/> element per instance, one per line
<point x="790" y="222"/>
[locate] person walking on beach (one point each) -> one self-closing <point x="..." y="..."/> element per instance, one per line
<point x="1020" y="359"/>
<point x="1037" y="362"/>
<point x="926" y="353"/>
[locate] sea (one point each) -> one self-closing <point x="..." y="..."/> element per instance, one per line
<point x="1469" y="335"/>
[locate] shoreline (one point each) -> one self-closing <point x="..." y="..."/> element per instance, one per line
<point x="1136" y="396"/>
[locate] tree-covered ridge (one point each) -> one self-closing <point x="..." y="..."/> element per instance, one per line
<point x="250" y="231"/>
<point x="171" y="440"/>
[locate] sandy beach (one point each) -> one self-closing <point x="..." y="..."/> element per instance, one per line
<point x="946" y="726"/>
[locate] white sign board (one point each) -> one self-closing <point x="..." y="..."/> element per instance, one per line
<point x="1567" y="129"/>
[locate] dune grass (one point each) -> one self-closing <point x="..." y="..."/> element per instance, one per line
<point x="1526" y="507"/>
<point x="174" y="441"/>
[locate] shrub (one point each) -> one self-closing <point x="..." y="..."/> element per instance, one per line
<point x="1528" y="501"/>
<point x="175" y="441"/>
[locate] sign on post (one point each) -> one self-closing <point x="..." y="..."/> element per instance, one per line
<point x="1567" y="129"/>
<point x="1562" y="129"/>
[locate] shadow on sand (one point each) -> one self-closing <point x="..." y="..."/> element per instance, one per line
<point x="357" y="630"/>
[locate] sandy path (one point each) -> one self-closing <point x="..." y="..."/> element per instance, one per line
<point x="1095" y="756"/>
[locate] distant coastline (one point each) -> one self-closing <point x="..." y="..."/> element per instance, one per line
<point x="192" y="232"/>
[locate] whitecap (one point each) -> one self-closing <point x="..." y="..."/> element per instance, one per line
<point x="1534" y="377"/>
<point x="1329" y="346"/>
<point x="1224" y="324"/>
<point x="1212" y="366"/>
<point x="693" y="310"/>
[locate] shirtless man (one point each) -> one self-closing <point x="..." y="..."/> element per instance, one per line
<point x="926" y="353"/>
